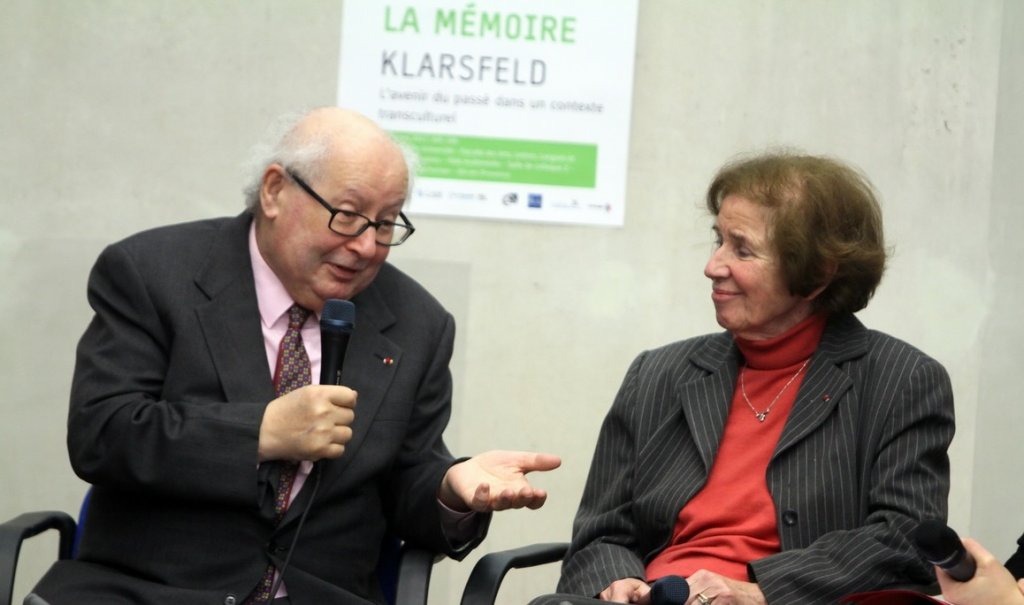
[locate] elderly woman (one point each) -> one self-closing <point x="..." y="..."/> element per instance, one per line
<point x="784" y="460"/>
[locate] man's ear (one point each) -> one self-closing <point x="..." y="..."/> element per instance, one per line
<point x="274" y="180"/>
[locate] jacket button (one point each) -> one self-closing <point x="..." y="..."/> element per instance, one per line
<point x="789" y="517"/>
<point x="230" y="600"/>
<point x="274" y="547"/>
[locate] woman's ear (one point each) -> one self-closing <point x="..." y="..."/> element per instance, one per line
<point x="830" y="272"/>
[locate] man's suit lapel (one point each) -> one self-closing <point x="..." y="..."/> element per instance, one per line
<point x="230" y="319"/>
<point x="826" y="382"/>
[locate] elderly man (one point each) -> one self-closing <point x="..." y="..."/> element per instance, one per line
<point x="220" y="474"/>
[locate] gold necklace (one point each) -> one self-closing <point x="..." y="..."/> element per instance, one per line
<point x="762" y="415"/>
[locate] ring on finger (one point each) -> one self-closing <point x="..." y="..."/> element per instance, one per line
<point x="703" y="600"/>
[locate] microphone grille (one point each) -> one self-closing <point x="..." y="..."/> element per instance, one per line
<point x="338" y="314"/>
<point x="670" y="590"/>
<point x="935" y="539"/>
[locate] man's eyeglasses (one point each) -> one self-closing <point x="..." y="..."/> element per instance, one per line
<point x="351" y="224"/>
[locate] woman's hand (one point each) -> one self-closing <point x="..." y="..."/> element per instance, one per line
<point x="713" y="588"/>
<point x="627" y="590"/>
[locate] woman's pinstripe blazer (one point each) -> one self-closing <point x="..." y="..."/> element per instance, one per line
<point x="861" y="459"/>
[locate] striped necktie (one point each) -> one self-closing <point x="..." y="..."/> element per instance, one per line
<point x="292" y="372"/>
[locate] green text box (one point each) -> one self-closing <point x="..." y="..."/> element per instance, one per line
<point x="465" y="158"/>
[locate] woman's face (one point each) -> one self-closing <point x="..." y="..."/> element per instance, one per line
<point x="751" y="299"/>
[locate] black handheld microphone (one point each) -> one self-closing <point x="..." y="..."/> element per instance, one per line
<point x="942" y="547"/>
<point x="337" y="319"/>
<point x="670" y="590"/>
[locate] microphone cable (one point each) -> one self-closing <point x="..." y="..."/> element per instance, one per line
<point x="295" y="539"/>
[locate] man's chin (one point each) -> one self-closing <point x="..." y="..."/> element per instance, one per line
<point x="344" y="291"/>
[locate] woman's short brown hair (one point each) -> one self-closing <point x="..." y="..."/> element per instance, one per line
<point x="825" y="223"/>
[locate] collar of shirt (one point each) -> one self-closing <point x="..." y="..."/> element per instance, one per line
<point x="274" y="301"/>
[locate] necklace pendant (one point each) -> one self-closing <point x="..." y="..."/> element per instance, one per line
<point x="761" y="416"/>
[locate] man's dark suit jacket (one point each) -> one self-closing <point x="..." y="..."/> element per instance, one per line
<point x="861" y="459"/>
<point x="168" y="394"/>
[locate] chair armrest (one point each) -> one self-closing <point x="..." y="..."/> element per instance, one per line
<point x="485" y="579"/>
<point x="414" y="568"/>
<point x="19" y="529"/>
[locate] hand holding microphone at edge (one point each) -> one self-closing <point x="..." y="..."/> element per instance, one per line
<point x="968" y="574"/>
<point x="991" y="584"/>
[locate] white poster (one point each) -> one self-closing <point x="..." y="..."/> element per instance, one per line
<point x="518" y="109"/>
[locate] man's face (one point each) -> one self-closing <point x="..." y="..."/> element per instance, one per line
<point x="313" y="262"/>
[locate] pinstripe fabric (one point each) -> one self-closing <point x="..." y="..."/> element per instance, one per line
<point x="862" y="457"/>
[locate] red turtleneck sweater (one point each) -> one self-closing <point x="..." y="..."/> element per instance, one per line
<point x="732" y="520"/>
